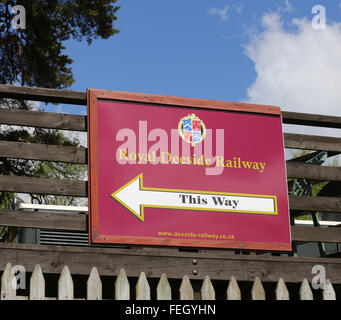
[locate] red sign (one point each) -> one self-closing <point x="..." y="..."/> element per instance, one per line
<point x="186" y="172"/>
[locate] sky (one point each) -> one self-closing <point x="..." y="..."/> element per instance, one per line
<point x="285" y="53"/>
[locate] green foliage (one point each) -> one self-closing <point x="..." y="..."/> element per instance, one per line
<point x="34" y="56"/>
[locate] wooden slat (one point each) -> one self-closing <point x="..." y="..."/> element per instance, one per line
<point x="122" y="287"/>
<point x="8" y="291"/>
<point x="313" y="172"/>
<point x="217" y="265"/>
<point x="257" y="291"/>
<point x="186" y="290"/>
<point x="79" y="188"/>
<point x="77" y="155"/>
<point x="207" y="290"/>
<point x="328" y="291"/>
<point x="312" y="234"/>
<point x="308" y="203"/>
<point x="233" y="291"/>
<point x="76" y="97"/>
<point x="35" y="151"/>
<point x="39" y="119"/>
<point x="308" y="119"/>
<point x="305" y="291"/>
<point x="94" y="285"/>
<point x="310" y="142"/>
<point x="65" y="285"/>
<point x="44" y="220"/>
<point x="142" y="288"/>
<point x="43" y="186"/>
<point x="43" y="94"/>
<point x="163" y="290"/>
<point x="78" y="222"/>
<point x="37" y="284"/>
<point x="282" y="292"/>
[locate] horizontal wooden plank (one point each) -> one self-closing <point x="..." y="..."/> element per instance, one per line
<point x="40" y="119"/>
<point x="79" y="188"/>
<point x="78" y="222"/>
<point x="310" y="142"/>
<point x="79" y="98"/>
<point x="43" y="186"/>
<point x="35" y="151"/>
<point x="44" y="220"/>
<point x="308" y="119"/>
<point x="218" y="265"/>
<point x="307" y="203"/>
<point x="313" y="172"/>
<point x="43" y="94"/>
<point x="316" y="234"/>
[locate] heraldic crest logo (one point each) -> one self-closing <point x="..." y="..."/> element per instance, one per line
<point x="192" y="129"/>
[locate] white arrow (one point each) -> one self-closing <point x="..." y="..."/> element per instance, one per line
<point x="135" y="197"/>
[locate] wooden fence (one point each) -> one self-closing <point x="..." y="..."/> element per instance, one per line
<point x="122" y="288"/>
<point x="197" y="264"/>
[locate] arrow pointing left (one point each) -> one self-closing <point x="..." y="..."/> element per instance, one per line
<point x="135" y="197"/>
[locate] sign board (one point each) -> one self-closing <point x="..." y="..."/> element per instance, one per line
<point x="186" y="172"/>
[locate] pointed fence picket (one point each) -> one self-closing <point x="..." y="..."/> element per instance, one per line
<point x="122" y="287"/>
<point x="143" y="290"/>
<point x="163" y="290"/>
<point x="305" y="291"/>
<point x="207" y="290"/>
<point x="257" y="291"/>
<point x="65" y="285"/>
<point x="282" y="292"/>
<point x="94" y="285"/>
<point x="233" y="291"/>
<point x="37" y="284"/>
<point x="186" y="290"/>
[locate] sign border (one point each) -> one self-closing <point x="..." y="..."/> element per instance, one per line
<point x="93" y="95"/>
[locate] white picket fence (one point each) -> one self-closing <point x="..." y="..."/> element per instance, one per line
<point x="163" y="290"/>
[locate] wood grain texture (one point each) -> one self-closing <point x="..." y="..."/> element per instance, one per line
<point x="308" y="203"/>
<point x="78" y="222"/>
<point x="313" y="172"/>
<point x="310" y="142"/>
<point x="42" y="94"/>
<point x="44" y="220"/>
<point x="217" y="264"/>
<point x="43" y="186"/>
<point x="48" y="120"/>
<point x="307" y="119"/>
<point x="35" y="151"/>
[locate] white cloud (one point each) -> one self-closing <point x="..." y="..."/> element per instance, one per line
<point x="220" y="12"/>
<point x="298" y="70"/>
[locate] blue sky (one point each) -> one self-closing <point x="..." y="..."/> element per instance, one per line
<point x="220" y="50"/>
